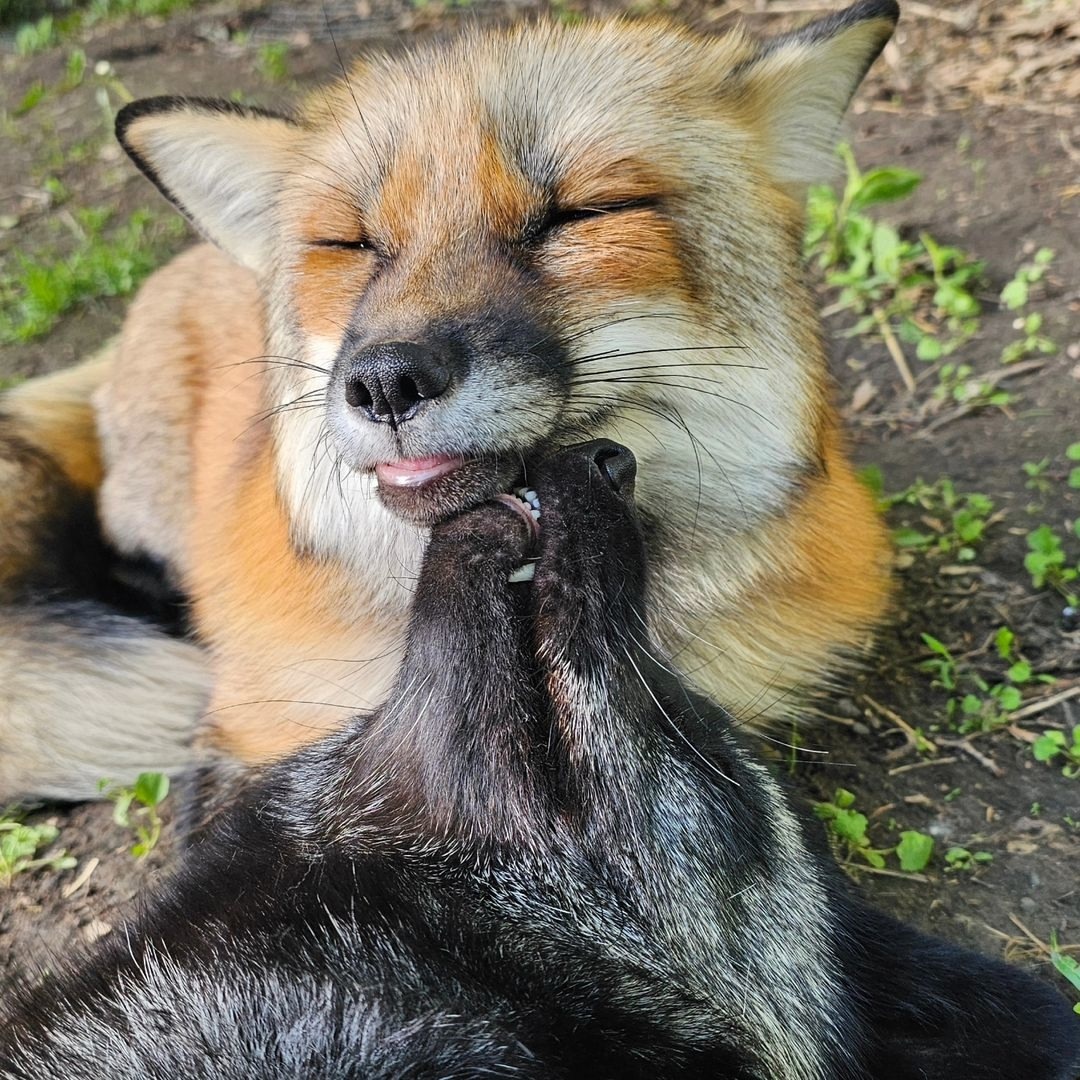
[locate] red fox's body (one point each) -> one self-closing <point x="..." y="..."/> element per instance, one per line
<point x="444" y="265"/>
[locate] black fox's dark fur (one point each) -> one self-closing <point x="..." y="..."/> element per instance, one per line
<point x="544" y="857"/>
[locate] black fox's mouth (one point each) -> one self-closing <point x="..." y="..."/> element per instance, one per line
<point x="527" y="503"/>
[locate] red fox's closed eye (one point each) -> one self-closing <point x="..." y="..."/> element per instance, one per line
<point x="559" y="217"/>
<point x="360" y="244"/>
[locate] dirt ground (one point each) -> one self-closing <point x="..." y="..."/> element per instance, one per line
<point x="982" y="99"/>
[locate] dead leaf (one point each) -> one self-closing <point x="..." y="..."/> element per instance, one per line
<point x="865" y="392"/>
<point x="1021" y="847"/>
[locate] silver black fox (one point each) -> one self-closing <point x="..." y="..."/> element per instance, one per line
<point x="545" y="856"/>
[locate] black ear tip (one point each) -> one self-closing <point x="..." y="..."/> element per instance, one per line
<point x="874" y="9"/>
<point x="143" y="107"/>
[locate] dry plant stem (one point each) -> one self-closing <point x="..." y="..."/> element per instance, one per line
<point x="922" y="765"/>
<point x="85" y="874"/>
<point x="965" y="747"/>
<point x="913" y="736"/>
<point x="1045" y="703"/>
<point x="964" y="19"/>
<point x="881" y="871"/>
<point x="897" y="354"/>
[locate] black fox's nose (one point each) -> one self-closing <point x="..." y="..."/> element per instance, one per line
<point x="389" y="382"/>
<point x="615" y="462"/>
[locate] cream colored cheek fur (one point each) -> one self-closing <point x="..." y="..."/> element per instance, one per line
<point x="336" y="511"/>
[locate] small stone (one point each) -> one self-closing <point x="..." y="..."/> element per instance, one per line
<point x="95" y="930"/>
<point x="1028" y="905"/>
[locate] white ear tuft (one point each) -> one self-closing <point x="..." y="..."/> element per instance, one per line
<point x="800" y="84"/>
<point x="219" y="164"/>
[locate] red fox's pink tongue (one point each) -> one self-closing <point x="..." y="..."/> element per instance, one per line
<point x="416" y="472"/>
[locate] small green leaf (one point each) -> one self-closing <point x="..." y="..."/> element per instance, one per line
<point x="906" y="538"/>
<point x="934" y="645"/>
<point x="885" y="185"/>
<point x="850" y="825"/>
<point x="929" y="348"/>
<point x="1015" y="294"/>
<point x="1003" y="641"/>
<point x="873" y="479"/>
<point x="1009" y="698"/>
<point x="971" y="705"/>
<point x="1020" y="672"/>
<point x="885" y="247"/>
<point x="151" y="788"/>
<point x="914" y="850"/>
<point x="1048" y="745"/>
<point x="1072" y="451"/>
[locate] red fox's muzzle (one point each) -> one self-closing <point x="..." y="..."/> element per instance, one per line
<point x="445" y="414"/>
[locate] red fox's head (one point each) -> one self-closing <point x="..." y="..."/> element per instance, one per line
<point x="529" y="237"/>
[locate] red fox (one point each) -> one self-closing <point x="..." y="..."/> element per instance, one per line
<point x="442" y="265"/>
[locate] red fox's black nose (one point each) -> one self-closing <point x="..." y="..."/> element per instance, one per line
<point x="391" y="381"/>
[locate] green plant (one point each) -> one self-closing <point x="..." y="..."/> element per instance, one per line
<point x="1053" y="744"/>
<point x="958" y="382"/>
<point x="975" y="704"/>
<point x="1049" y="564"/>
<point x="959" y="858"/>
<point x="1037" y="480"/>
<point x="837" y="234"/>
<point x="20" y="844"/>
<point x="113" y="9"/>
<point x="36" y="36"/>
<point x="956" y="521"/>
<point x="40" y="290"/>
<point x="1015" y="293"/>
<point x="920" y="291"/>
<point x="847" y="829"/>
<point x="1066" y="966"/>
<point x="273" y="60"/>
<point x="74" y="70"/>
<point x="136" y="807"/>
<point x="31" y="99"/>
<point x="1030" y="342"/>
<point x="1072" y="452"/>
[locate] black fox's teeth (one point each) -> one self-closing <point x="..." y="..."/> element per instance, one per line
<point x="532" y="501"/>
<point x="528" y="496"/>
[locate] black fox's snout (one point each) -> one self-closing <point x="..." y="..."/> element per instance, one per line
<point x="615" y="462"/>
<point x="389" y="383"/>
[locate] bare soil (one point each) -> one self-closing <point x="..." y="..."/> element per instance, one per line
<point x="981" y="98"/>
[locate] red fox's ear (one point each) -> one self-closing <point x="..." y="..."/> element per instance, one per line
<point x="799" y="84"/>
<point x="219" y="164"/>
